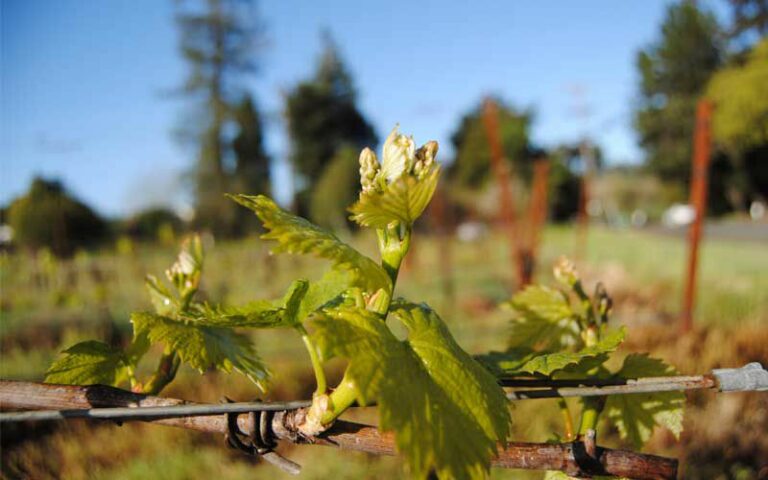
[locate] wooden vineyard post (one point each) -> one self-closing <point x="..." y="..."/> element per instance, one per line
<point x="537" y="216"/>
<point x="443" y="226"/>
<point x="698" y="200"/>
<point x="586" y="153"/>
<point x="501" y="171"/>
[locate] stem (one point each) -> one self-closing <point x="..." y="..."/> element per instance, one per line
<point x="394" y="242"/>
<point x="567" y="420"/>
<point x="340" y="399"/>
<point x="165" y="373"/>
<point x="317" y="365"/>
<point x="593" y="406"/>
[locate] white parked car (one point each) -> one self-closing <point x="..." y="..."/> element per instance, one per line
<point x="678" y="215"/>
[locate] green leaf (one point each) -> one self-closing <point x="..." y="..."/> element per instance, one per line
<point x="542" y="303"/>
<point x="403" y="200"/>
<point x="636" y="415"/>
<point x="524" y="360"/>
<point x="447" y="411"/>
<point x="543" y="320"/>
<point x="297" y="235"/>
<point x="258" y="314"/>
<point x="88" y="363"/>
<point x="549" y="363"/>
<point x="203" y="347"/>
<point x="162" y="299"/>
<point x="543" y="335"/>
<point x="330" y="287"/>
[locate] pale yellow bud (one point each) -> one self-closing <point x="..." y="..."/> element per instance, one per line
<point x="425" y="159"/>
<point x="565" y="271"/>
<point x="369" y="167"/>
<point x="397" y="156"/>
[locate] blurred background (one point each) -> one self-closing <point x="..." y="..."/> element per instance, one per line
<point x="564" y="128"/>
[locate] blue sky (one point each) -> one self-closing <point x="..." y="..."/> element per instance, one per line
<point x="86" y="84"/>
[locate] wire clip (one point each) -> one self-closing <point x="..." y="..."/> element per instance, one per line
<point x="752" y="377"/>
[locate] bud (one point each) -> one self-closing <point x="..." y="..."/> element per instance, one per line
<point x="397" y="156"/>
<point x="603" y="301"/>
<point x="425" y="159"/>
<point x="565" y="272"/>
<point x="369" y="167"/>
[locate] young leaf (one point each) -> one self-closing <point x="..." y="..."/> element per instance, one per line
<point x="447" y="412"/>
<point x="89" y="363"/>
<point x="544" y="320"/>
<point x="258" y="314"/>
<point x="332" y="285"/>
<point x="297" y="235"/>
<point x="528" y="332"/>
<point x="636" y="415"/>
<point x="548" y="363"/>
<point x="403" y="200"/>
<point x="162" y="299"/>
<point x="203" y="347"/>
<point x="542" y="303"/>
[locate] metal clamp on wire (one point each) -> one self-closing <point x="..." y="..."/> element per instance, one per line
<point x="261" y="442"/>
<point x="750" y="377"/>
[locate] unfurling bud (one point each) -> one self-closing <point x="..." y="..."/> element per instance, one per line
<point x="397" y="156"/>
<point x="369" y="167"/>
<point x="425" y="159"/>
<point x="565" y="272"/>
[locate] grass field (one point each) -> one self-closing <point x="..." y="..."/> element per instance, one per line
<point x="48" y="304"/>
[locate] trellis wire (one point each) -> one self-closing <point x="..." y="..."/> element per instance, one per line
<point x="751" y="377"/>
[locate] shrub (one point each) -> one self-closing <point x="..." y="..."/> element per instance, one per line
<point x="47" y="216"/>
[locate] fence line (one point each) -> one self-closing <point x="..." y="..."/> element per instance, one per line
<point x="571" y="458"/>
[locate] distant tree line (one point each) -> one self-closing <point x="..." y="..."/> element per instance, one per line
<point x="694" y="57"/>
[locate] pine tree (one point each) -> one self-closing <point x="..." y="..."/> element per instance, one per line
<point x="218" y="42"/>
<point x="322" y="118"/>
<point x="674" y="72"/>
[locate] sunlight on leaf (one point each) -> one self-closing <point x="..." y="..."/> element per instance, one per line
<point x="87" y="363"/>
<point x="453" y="414"/>
<point x="297" y="235"/>
<point x="636" y="415"/>
<point x="204" y="347"/>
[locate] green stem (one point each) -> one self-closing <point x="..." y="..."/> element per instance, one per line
<point x="394" y="242"/>
<point x="592" y="406"/>
<point x="317" y="365"/>
<point x="340" y="399"/>
<point x="567" y="420"/>
<point x="165" y="373"/>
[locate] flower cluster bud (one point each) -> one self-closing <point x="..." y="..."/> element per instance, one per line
<point x="369" y="168"/>
<point x="565" y="272"/>
<point x="399" y="157"/>
<point x="425" y="159"/>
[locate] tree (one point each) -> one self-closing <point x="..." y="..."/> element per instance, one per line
<point x="471" y="167"/>
<point x="322" y="118"/>
<point x="740" y="121"/>
<point x="252" y="167"/>
<point x="674" y="72"/>
<point x="47" y="216"/>
<point x="149" y="224"/>
<point x="336" y="190"/>
<point x="749" y="17"/>
<point x="218" y="41"/>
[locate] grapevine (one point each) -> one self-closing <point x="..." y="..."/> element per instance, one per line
<point x="447" y="409"/>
